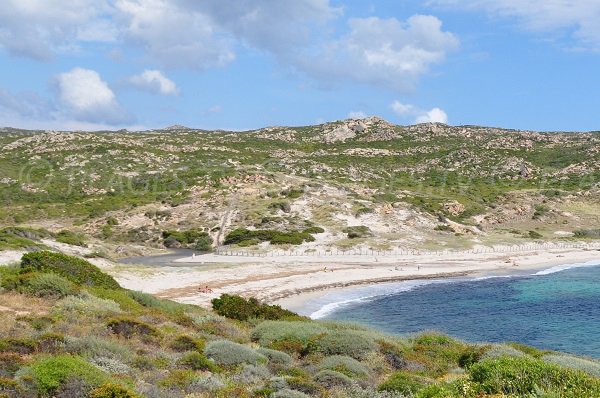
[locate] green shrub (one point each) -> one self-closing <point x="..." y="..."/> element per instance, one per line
<point x="314" y="230"/>
<point x="287" y="393"/>
<point x="353" y="343"/>
<point x="236" y="307"/>
<point x="540" y="211"/>
<point x="276" y="358"/>
<point x="471" y="355"/>
<point x="9" y="388"/>
<point x="192" y="238"/>
<point x="404" y="383"/>
<point x="293" y="193"/>
<point x="204" y="244"/>
<point x="523" y="376"/>
<point x="535" y="235"/>
<point x="588" y="233"/>
<point x="532" y="351"/>
<point x="198" y="361"/>
<point x="359" y="231"/>
<point x="184" y="343"/>
<point x="241" y="236"/>
<point x="16" y="238"/>
<point x="346" y="365"/>
<point x="150" y="301"/>
<point x="228" y="353"/>
<point x="10" y="362"/>
<point x="93" y="346"/>
<point x="588" y="366"/>
<point x="304" y="384"/>
<point x="49" y="285"/>
<point x="87" y="304"/>
<point x="19" y="346"/>
<point x="439" y="353"/>
<point x="74" y="269"/>
<point x="129" y="327"/>
<point x="269" y="332"/>
<point x="111" y="390"/>
<point x="281" y="205"/>
<point x="48" y="374"/>
<point x="443" y="228"/>
<point x="499" y="350"/>
<point x="119" y="296"/>
<point x="179" y="378"/>
<point x="331" y="378"/>
<point x="71" y="238"/>
<point x="363" y="210"/>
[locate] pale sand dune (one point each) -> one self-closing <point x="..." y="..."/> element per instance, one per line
<point x="275" y="278"/>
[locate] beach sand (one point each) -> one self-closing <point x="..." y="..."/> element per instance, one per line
<point x="291" y="281"/>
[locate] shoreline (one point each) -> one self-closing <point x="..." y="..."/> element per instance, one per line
<point x="291" y="283"/>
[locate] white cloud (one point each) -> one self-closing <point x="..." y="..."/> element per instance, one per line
<point x="357" y="115"/>
<point x="39" y="28"/>
<point x="88" y="98"/>
<point x="278" y="26"/>
<point x="383" y="51"/>
<point x="193" y="34"/>
<point x="578" y="18"/>
<point x="172" y="35"/>
<point x="435" y="115"/>
<point x="154" y="81"/>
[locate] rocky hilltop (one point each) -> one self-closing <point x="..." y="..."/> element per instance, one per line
<point x="366" y="182"/>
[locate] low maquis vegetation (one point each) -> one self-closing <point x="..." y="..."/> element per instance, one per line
<point x="192" y="238"/>
<point x="87" y="337"/>
<point x="236" y="307"/>
<point x="246" y="237"/>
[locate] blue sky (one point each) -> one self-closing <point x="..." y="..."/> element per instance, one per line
<point x="91" y="64"/>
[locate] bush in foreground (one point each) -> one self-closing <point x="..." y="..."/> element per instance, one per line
<point x="111" y="390"/>
<point x="48" y="374"/>
<point x="353" y="343"/>
<point x="524" y="376"/>
<point x="404" y="383"/>
<point x="74" y="269"/>
<point x="227" y="353"/>
<point x="50" y="285"/>
<point x="345" y="365"/>
<point x="236" y="307"/>
<point x="301" y="332"/>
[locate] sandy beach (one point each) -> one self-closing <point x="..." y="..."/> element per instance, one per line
<point x="290" y="281"/>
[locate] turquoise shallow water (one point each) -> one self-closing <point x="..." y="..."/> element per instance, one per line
<point x="556" y="309"/>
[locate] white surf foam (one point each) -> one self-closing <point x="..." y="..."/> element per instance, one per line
<point x="560" y="268"/>
<point x="334" y="301"/>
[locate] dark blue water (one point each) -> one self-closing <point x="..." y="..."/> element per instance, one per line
<point x="558" y="311"/>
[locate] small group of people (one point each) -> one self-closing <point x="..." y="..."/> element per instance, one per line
<point x="205" y="289"/>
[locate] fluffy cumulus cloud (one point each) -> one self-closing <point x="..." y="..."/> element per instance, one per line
<point x="387" y="52"/>
<point x="86" y="97"/>
<point x="578" y="18"/>
<point x="356" y="115"/>
<point x="418" y="115"/>
<point x="277" y="26"/>
<point x="201" y="34"/>
<point x="40" y="28"/>
<point x="155" y="82"/>
<point x="172" y="35"/>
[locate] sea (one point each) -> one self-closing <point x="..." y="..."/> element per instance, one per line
<point x="556" y="308"/>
